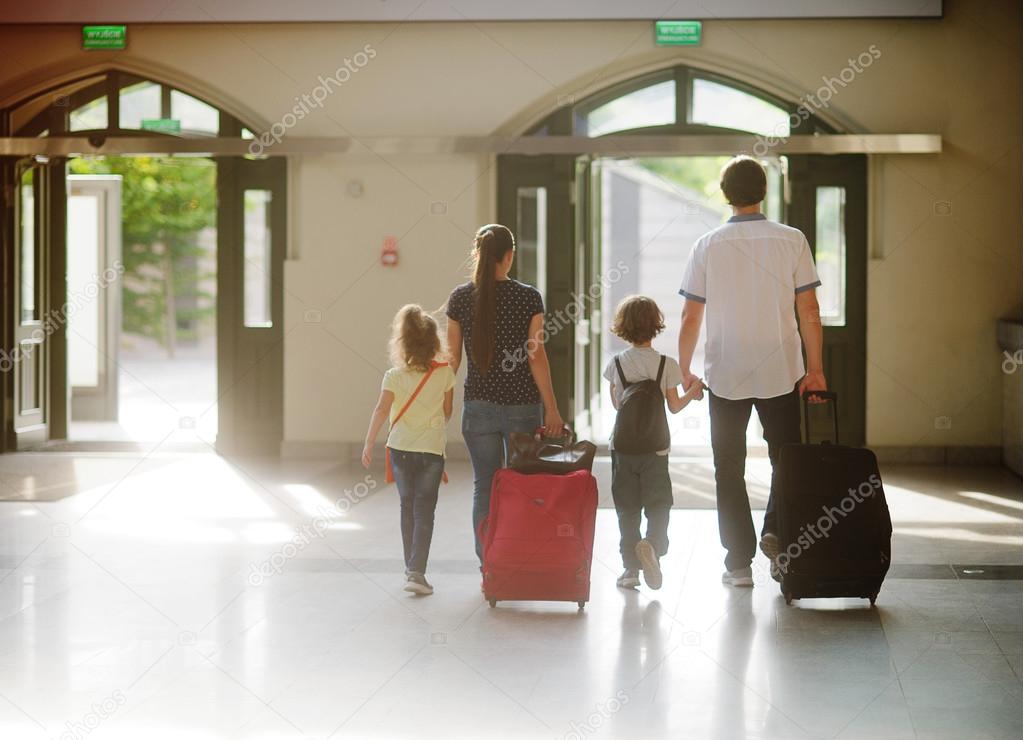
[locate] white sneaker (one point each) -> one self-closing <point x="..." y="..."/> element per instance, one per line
<point x="416" y="583"/>
<point x="650" y="562"/>
<point x="770" y="547"/>
<point x="628" y="579"/>
<point x="742" y="577"/>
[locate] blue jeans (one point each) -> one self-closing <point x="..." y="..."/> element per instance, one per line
<point x="485" y="428"/>
<point x="418" y="476"/>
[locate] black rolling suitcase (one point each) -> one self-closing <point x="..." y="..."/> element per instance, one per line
<point x="834" y="529"/>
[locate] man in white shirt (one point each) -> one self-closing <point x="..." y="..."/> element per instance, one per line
<point x="751" y="277"/>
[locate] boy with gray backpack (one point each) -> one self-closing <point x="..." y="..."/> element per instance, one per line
<point x="641" y="380"/>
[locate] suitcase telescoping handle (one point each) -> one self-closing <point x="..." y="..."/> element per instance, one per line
<point x="829" y="396"/>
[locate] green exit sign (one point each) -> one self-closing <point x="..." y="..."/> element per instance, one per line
<point x="104" y="37"/>
<point x="163" y="125"/>
<point x="678" y="33"/>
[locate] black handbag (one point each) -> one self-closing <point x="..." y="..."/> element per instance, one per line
<point x="534" y="453"/>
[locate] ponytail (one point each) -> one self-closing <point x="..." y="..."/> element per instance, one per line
<point x="491" y="245"/>
<point x="415" y="341"/>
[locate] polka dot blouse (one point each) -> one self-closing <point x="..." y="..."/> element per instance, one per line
<point x="508" y="381"/>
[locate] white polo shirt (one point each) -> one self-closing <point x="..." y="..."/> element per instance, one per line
<point x="748" y="271"/>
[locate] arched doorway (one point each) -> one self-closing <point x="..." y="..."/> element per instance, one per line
<point x="250" y="213"/>
<point x="583" y="220"/>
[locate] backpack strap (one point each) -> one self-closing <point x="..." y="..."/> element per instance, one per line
<point x="621" y="374"/>
<point x="660" y="370"/>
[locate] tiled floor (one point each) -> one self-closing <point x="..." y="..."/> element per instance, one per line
<point x="188" y="596"/>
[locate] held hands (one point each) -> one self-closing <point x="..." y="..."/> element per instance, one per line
<point x="694" y="387"/>
<point x="813" y="381"/>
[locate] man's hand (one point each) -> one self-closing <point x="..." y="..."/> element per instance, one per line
<point x="367" y="456"/>
<point x="695" y="390"/>
<point x="688" y="379"/>
<point x="813" y="381"/>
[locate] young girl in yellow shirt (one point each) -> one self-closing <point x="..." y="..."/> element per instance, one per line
<point x="417" y="395"/>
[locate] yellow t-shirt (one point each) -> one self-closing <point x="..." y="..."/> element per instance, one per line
<point x="423" y="427"/>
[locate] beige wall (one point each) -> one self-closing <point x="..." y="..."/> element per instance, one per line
<point x="936" y="285"/>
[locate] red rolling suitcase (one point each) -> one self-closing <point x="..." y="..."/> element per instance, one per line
<point x="538" y="537"/>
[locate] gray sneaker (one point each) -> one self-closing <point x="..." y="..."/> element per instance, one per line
<point x="416" y="583"/>
<point x="742" y="577"/>
<point x="628" y="579"/>
<point x="770" y="547"/>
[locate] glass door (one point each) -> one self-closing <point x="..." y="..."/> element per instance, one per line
<point x="27" y="354"/>
<point x="94" y="290"/>
<point x="534" y="199"/>
<point x="251" y="202"/>
<point x="829" y="205"/>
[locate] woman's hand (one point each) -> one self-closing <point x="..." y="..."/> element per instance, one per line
<point x="367" y="456"/>
<point x="553" y="424"/>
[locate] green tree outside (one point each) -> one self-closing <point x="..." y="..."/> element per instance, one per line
<point x="165" y="204"/>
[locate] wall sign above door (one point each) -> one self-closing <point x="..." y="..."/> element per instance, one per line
<point x="104" y="37"/>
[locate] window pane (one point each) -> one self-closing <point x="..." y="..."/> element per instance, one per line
<point x="830" y="255"/>
<point x="27" y="263"/>
<point x="257" y="271"/>
<point x="83" y="265"/>
<point x="139" y="101"/>
<point x="650" y="106"/>
<point x="715" y="104"/>
<point x="195" y="115"/>
<point x="531" y="238"/>
<point x="92" y="115"/>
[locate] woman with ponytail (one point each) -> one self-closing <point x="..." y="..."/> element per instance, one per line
<point x="500" y="322"/>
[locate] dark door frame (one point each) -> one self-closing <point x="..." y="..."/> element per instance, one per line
<point x="250" y="359"/>
<point x="258" y="427"/>
<point x="557" y="175"/>
<point x="845" y="347"/>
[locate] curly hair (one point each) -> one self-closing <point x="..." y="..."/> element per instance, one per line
<point x="415" y="341"/>
<point x="638" y="319"/>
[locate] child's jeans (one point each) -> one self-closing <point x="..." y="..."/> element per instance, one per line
<point x="641" y="482"/>
<point x="418" y="476"/>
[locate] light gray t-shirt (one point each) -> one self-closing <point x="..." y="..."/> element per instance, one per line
<point x="641" y="363"/>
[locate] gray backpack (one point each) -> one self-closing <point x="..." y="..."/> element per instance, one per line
<point x="642" y="424"/>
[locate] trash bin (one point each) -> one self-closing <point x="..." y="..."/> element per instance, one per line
<point x="1010" y="339"/>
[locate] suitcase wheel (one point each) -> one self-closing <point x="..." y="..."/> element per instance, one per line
<point x="873" y="598"/>
<point x="582" y="605"/>
<point x="493" y="603"/>
<point x="788" y="598"/>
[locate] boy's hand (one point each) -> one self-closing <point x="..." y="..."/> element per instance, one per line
<point x="367" y="456"/>
<point x="688" y="379"/>
<point x="695" y="390"/>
